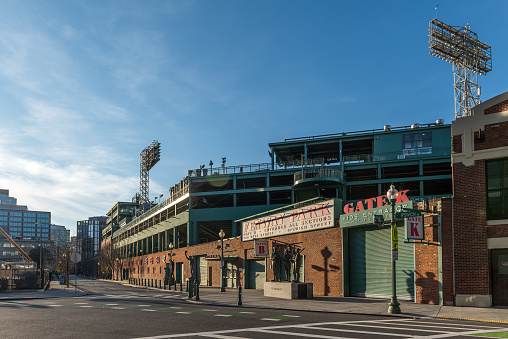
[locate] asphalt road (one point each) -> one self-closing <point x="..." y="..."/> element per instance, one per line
<point x="118" y="311"/>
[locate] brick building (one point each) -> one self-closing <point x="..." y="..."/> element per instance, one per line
<point x="480" y="205"/>
<point x="344" y="169"/>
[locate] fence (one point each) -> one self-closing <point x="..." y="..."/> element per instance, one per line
<point x="22" y="278"/>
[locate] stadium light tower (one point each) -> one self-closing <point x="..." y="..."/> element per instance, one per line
<point x="147" y="159"/>
<point x="469" y="57"/>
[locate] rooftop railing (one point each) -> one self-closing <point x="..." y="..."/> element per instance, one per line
<point x="367" y="131"/>
<point x="317" y="173"/>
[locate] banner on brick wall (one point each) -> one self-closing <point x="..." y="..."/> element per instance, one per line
<point x="308" y="218"/>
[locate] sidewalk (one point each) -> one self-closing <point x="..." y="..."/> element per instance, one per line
<point x="54" y="291"/>
<point x="256" y="299"/>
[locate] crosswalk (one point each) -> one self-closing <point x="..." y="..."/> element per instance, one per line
<point x="391" y="328"/>
<point x="145" y="308"/>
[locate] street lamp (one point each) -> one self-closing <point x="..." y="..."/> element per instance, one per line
<point x="171" y="268"/>
<point x="221" y="235"/>
<point x="40" y="255"/>
<point x="394" y="306"/>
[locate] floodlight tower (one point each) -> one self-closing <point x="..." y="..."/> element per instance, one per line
<point x="147" y="159"/>
<point x="469" y="57"/>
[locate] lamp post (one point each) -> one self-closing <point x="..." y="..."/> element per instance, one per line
<point x="221" y="235"/>
<point x="40" y="254"/>
<point x="171" y="268"/>
<point x="394" y="306"/>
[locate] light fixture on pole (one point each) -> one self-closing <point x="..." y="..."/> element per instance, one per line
<point x="394" y="306"/>
<point x="40" y="255"/>
<point x="171" y="268"/>
<point x="221" y="235"/>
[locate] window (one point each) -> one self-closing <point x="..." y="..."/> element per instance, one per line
<point x="497" y="189"/>
<point x="14" y="219"/>
<point x="417" y="143"/>
<point x="15" y="214"/>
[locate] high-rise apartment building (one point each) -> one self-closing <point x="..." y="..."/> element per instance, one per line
<point x="88" y="243"/>
<point x="29" y="228"/>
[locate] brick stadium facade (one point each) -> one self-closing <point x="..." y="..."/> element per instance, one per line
<point x="461" y="261"/>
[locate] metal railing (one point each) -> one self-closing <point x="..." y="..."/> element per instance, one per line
<point x="313" y="173"/>
<point x="155" y="209"/>
<point x="203" y="172"/>
<point x="356" y="133"/>
<point x="422" y="152"/>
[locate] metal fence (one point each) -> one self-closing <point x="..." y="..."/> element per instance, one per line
<point x="19" y="278"/>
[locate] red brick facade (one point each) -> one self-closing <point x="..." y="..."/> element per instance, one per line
<point x="457" y="143"/>
<point x="500" y="107"/>
<point x="494" y="135"/>
<point x="322" y="251"/>
<point x="470" y="231"/>
<point x="427" y="258"/>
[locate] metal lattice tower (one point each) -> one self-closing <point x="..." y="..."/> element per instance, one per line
<point x="147" y="159"/>
<point x="469" y="56"/>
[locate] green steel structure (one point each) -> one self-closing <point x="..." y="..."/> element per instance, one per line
<point x="350" y="166"/>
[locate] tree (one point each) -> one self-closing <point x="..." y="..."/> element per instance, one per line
<point x="63" y="262"/>
<point x="109" y="259"/>
<point x="34" y="254"/>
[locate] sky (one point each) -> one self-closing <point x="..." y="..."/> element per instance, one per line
<point x="86" y="85"/>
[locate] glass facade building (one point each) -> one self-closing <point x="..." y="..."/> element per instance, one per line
<point x="28" y="227"/>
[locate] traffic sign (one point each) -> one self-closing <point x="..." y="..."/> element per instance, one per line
<point x="408" y="214"/>
<point x="75" y="257"/>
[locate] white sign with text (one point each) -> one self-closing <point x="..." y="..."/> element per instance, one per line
<point x="308" y="218"/>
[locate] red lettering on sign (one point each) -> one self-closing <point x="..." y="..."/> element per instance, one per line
<point x="414" y="230"/>
<point x="377" y="202"/>
<point x="261" y="250"/>
<point x="348" y="208"/>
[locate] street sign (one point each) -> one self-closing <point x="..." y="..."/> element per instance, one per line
<point x="414" y="228"/>
<point x="75" y="257"/>
<point x="408" y="214"/>
<point x="260" y="248"/>
<point x="395" y="254"/>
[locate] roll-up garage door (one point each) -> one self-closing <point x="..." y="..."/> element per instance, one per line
<point x="257" y="275"/>
<point x="370" y="265"/>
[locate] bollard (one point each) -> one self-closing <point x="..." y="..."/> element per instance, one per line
<point x="180" y="286"/>
<point x="240" y="295"/>
<point x="197" y="290"/>
<point x="187" y="285"/>
<point x="189" y="289"/>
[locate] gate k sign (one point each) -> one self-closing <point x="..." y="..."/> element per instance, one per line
<point x="414" y="228"/>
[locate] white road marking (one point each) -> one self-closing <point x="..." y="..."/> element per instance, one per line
<point x="281" y="330"/>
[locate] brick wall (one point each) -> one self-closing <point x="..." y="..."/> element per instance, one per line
<point x="457" y="143"/>
<point x="494" y="135"/>
<point x="500" y="107"/>
<point x="427" y="282"/>
<point x="497" y="231"/>
<point x="470" y="231"/>
<point x="322" y="250"/>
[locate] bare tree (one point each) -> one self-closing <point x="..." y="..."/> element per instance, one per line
<point x="110" y="259"/>
<point x="63" y="258"/>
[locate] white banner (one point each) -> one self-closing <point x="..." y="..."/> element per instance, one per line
<point x="304" y="219"/>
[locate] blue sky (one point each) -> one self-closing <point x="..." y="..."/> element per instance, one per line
<point x="86" y="85"/>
